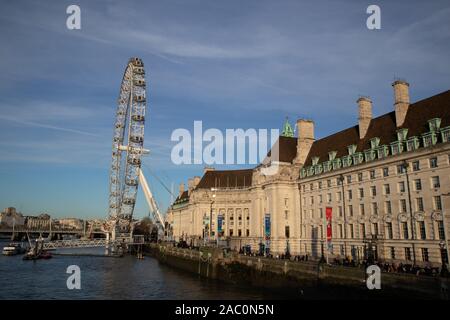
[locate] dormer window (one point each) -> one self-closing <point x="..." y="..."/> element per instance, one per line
<point x="351" y="149"/>
<point x="374" y="142"/>
<point x="429" y="139"/>
<point x="337" y="164"/>
<point x="396" y="147"/>
<point x="315" y="160"/>
<point x="326" y="166"/>
<point x="369" y="155"/>
<point x="346" y="161"/>
<point x="412" y="143"/>
<point x="402" y="134"/>
<point x="310" y="171"/>
<point x="303" y="173"/>
<point x="382" y="152"/>
<point x="332" y="155"/>
<point x="445" y="132"/>
<point x="434" y="124"/>
<point x="318" y="169"/>
<point x="358" y="158"/>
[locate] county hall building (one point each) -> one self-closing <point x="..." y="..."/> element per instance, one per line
<point x="383" y="184"/>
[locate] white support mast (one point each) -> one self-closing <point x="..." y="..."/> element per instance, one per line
<point x="150" y="200"/>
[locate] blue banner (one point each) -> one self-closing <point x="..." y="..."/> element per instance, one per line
<point x="219" y="223"/>
<point x="267" y="226"/>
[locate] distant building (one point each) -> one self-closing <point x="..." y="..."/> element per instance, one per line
<point x="69" y="223"/>
<point x="41" y="222"/>
<point x="9" y="217"/>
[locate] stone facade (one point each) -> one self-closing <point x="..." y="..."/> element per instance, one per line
<point x="386" y="182"/>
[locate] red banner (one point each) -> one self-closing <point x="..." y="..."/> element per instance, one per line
<point x="328" y="215"/>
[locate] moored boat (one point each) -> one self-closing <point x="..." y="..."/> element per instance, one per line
<point x="12" y="249"/>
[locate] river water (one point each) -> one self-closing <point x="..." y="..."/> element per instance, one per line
<point x="110" y="278"/>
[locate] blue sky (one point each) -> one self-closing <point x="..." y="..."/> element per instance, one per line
<point x="231" y="64"/>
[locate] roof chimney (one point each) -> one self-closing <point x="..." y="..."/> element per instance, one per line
<point x="365" y="115"/>
<point x="190" y="185"/>
<point x="401" y="101"/>
<point x="181" y="188"/>
<point x="305" y="131"/>
<point x="196" y="181"/>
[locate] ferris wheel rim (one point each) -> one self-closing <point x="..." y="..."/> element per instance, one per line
<point x="129" y="129"/>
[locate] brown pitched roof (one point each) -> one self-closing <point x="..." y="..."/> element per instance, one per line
<point x="226" y="179"/>
<point x="384" y="127"/>
<point x="183" y="196"/>
<point x="287" y="148"/>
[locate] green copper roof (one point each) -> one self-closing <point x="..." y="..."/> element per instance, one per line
<point x="287" y="129"/>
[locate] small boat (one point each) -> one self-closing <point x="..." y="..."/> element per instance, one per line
<point x="12" y="249"/>
<point x="31" y="255"/>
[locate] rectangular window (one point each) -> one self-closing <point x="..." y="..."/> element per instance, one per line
<point x="239" y="232"/>
<point x="341" y="235"/>
<point x="286" y="214"/>
<point x="441" y="230"/>
<point x="320" y="185"/>
<point x="286" y="231"/>
<point x="372" y="174"/>
<point x="338" y="181"/>
<point x="231" y="232"/>
<point x="405" y="230"/>
<point x="349" y="179"/>
<point x="375" y="228"/>
<point x="419" y="204"/>
<point x="320" y="198"/>
<point x="328" y="183"/>
<point x="388" y="207"/>
<point x="321" y="212"/>
<point x="416" y="166"/>
<point x="418" y="184"/>
<point x="360" y="176"/>
<point x="390" y="233"/>
<point x="401" y="168"/>
<point x="374" y="208"/>
<point x="363" y="230"/>
<point x="311" y="200"/>
<point x="408" y="254"/>
<point x="385" y="172"/>
<point x="350" y="194"/>
<point x="435" y="183"/>
<point x="437" y="203"/>
<point x="311" y="187"/>
<point x="361" y="209"/>
<point x="247" y="233"/>
<point x="361" y="193"/>
<point x="373" y="191"/>
<point x="403" y="205"/>
<point x="338" y="196"/>
<point x="350" y="210"/>
<point x="392" y="252"/>
<point x="311" y="213"/>
<point x="340" y="211"/>
<point x="433" y="162"/>
<point x="401" y="186"/>
<point x="351" y="231"/>
<point x="422" y="231"/>
<point x="329" y="197"/>
<point x="425" y="257"/>
<point x="387" y="189"/>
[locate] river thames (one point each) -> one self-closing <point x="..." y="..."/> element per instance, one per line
<point x="110" y="278"/>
